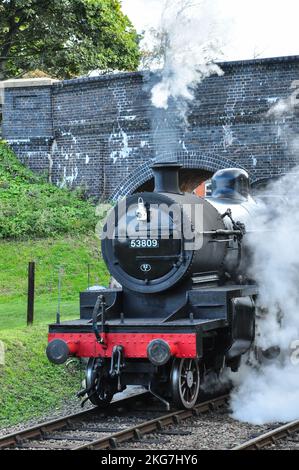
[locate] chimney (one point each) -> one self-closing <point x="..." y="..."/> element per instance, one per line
<point x="167" y="177"/>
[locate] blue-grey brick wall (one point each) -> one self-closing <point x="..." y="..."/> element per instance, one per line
<point x="102" y="133"/>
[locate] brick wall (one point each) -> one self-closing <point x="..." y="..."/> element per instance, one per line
<point x="102" y="133"/>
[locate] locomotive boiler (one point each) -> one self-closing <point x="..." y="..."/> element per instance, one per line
<point x="184" y="304"/>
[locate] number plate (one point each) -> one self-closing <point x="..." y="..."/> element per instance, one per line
<point x="148" y="243"/>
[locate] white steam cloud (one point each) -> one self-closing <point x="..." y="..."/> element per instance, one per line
<point x="269" y="391"/>
<point x="186" y="46"/>
<point x="267" y="396"/>
<point x="286" y="107"/>
<point x="283" y="112"/>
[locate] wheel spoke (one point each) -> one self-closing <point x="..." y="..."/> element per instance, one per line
<point x="101" y="389"/>
<point x="186" y="381"/>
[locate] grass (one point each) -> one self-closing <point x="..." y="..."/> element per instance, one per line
<point x="29" y="384"/>
<point x="30" y="207"/>
<point x="70" y="255"/>
<point x="55" y="228"/>
<point x="13" y="314"/>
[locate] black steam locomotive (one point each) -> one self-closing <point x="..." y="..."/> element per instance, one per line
<point x="184" y="304"/>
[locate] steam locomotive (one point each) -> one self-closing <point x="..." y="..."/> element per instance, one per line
<point x="184" y="304"/>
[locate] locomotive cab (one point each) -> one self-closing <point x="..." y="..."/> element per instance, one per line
<point x="231" y="183"/>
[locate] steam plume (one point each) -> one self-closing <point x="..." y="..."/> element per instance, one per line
<point x="269" y="392"/>
<point x="186" y="45"/>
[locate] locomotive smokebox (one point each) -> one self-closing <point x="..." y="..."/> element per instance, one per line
<point x="166" y="176"/>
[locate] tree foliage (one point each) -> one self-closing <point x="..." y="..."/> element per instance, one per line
<point x="65" y="38"/>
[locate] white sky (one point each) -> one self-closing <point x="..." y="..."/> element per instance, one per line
<point x="266" y="28"/>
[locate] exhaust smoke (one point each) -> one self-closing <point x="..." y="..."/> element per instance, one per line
<point x="268" y="390"/>
<point x="187" y="44"/>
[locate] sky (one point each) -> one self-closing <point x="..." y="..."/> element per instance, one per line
<point x="255" y="28"/>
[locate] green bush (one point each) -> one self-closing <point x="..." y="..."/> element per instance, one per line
<point x="32" y="208"/>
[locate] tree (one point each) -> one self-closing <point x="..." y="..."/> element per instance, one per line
<point x="65" y="38"/>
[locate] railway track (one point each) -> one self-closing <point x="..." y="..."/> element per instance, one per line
<point x="271" y="437"/>
<point x="96" y="429"/>
<point x="68" y="423"/>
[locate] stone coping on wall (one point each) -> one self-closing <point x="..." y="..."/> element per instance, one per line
<point x="44" y="81"/>
<point x="27" y="82"/>
<point x="147" y="73"/>
<point x="24" y="83"/>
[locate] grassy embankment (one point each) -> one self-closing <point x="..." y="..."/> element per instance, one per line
<point x="54" y="228"/>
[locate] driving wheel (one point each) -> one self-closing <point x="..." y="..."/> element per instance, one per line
<point x="185" y="382"/>
<point x="101" y="387"/>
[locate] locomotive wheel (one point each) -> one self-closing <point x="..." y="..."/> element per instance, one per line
<point x="185" y="382"/>
<point x="101" y="387"/>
